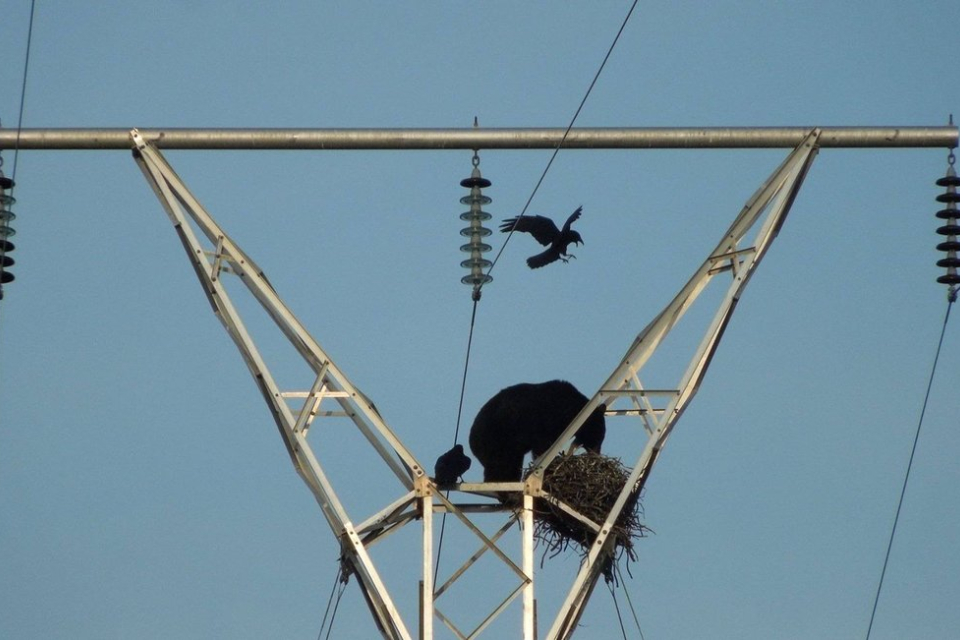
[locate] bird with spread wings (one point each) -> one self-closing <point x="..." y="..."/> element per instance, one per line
<point x="546" y="233"/>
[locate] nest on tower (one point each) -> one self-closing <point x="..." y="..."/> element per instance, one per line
<point x="589" y="483"/>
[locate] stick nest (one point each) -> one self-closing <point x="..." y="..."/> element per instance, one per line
<point x="590" y="484"/>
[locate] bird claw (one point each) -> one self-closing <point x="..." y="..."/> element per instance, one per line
<point x="568" y="257"/>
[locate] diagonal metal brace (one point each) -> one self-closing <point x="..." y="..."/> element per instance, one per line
<point x="183" y="208"/>
<point x="765" y="211"/>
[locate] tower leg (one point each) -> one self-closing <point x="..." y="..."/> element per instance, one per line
<point x="529" y="603"/>
<point x="426" y="584"/>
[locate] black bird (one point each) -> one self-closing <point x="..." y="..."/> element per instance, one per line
<point x="546" y="233"/>
<point x="451" y="465"/>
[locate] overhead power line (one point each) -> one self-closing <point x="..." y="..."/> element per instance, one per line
<point x="23" y="90"/>
<point x="479" y="286"/>
<point x="906" y="477"/>
<point x="566" y="132"/>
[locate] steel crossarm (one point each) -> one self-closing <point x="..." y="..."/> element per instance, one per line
<point x="182" y="207"/>
<point x="886" y="137"/>
<point x="765" y="211"/>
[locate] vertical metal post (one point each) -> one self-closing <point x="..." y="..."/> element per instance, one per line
<point x="426" y="611"/>
<point x="529" y="603"/>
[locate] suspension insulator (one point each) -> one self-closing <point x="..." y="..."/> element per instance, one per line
<point x="951" y="229"/>
<point x="951" y="196"/>
<point x="6" y="231"/>
<point x="475" y="216"/>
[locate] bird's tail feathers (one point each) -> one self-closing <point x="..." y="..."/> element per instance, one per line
<point x="543" y="259"/>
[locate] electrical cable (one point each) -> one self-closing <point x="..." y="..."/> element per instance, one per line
<point x="616" y="606"/>
<point x="913" y="451"/>
<point x="456" y="433"/>
<point x="326" y="612"/>
<point x="23" y="95"/>
<point x="336" y="605"/>
<point x="478" y="287"/>
<point x="23" y="90"/>
<point x="466" y="367"/>
<point x="626" y="592"/>
<point x="566" y="133"/>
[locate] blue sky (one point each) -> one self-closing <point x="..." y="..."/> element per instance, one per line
<point x="143" y="489"/>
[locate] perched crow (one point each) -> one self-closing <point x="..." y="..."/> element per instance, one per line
<point x="451" y="465"/>
<point x="546" y="233"/>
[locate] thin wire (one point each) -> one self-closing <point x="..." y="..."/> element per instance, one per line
<point x="436" y="566"/>
<point x="23" y="94"/>
<point x="479" y="287"/>
<point x="565" y="134"/>
<point x="626" y="592"/>
<point x="616" y="606"/>
<point x="336" y="605"/>
<point x="456" y="433"/>
<point x="466" y="367"/>
<point x="326" y="612"/>
<point x="906" y="476"/>
<point x="23" y="91"/>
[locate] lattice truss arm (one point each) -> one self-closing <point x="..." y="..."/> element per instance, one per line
<point x="658" y="410"/>
<point x="294" y="411"/>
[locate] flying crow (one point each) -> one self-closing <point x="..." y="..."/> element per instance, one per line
<point x="451" y="465"/>
<point x="546" y="233"/>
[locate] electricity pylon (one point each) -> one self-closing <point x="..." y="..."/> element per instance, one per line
<point x="214" y="255"/>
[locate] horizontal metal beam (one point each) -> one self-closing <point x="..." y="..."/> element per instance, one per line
<point x="473" y="138"/>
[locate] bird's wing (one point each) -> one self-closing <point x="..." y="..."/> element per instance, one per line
<point x="573" y="217"/>
<point x="541" y="228"/>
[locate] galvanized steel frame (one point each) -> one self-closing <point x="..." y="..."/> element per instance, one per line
<point x="623" y="393"/>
